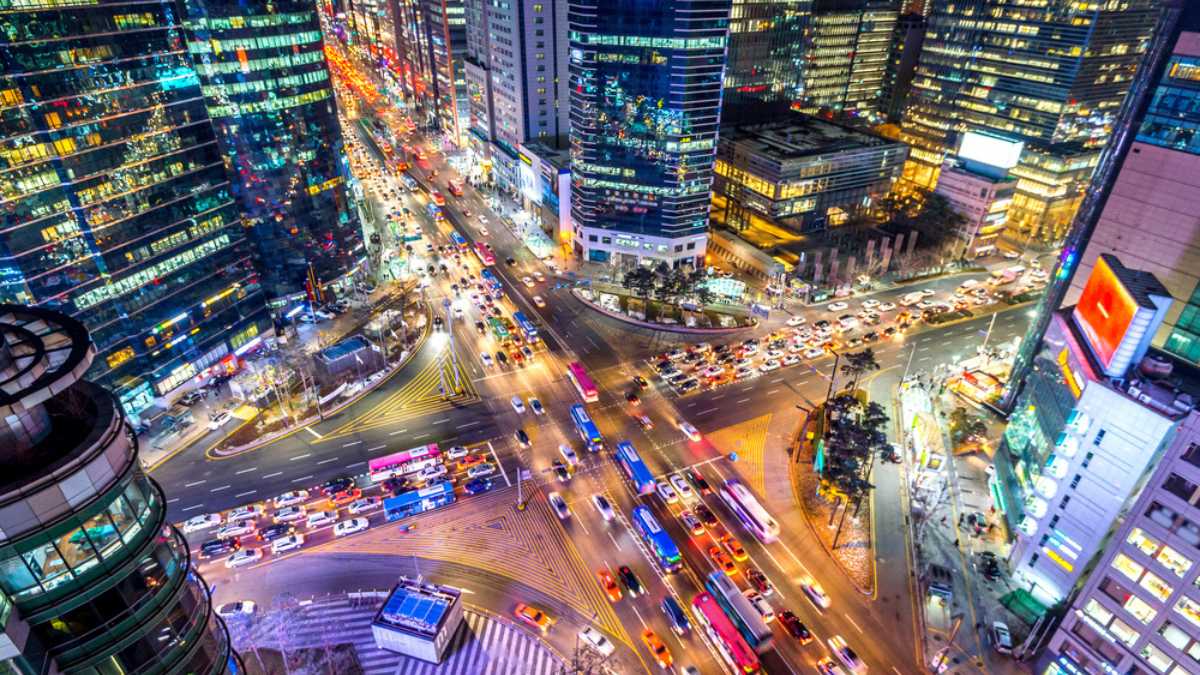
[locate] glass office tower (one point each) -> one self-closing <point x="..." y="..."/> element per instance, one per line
<point x="115" y="206"/>
<point x="645" y="86"/>
<point x="846" y="56"/>
<point x="766" y="52"/>
<point x="1052" y="74"/>
<point x="265" y="82"/>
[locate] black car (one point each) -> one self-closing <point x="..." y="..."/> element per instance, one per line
<point x="721" y="349"/>
<point x="193" y="397"/>
<point x="688" y="385"/>
<point x="632" y="397"/>
<point x="561" y="472"/>
<point x="501" y="357"/>
<point x="437" y="322"/>
<point x="699" y="482"/>
<point x="629" y="580"/>
<point x="218" y="547"/>
<point x="510" y="261"/>
<point x="276" y="531"/>
<point x="706" y="516"/>
<point x="990" y="565"/>
<point x="640" y="382"/>
<point x="335" y="485"/>
<point x="479" y="326"/>
<point x="522" y="438"/>
<point x="395" y="484"/>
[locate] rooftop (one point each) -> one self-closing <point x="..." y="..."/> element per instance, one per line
<point x="417" y="607"/>
<point x="799" y="137"/>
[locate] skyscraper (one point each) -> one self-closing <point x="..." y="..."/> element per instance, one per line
<point x="766" y="53"/>
<point x="1050" y="74"/>
<point x="447" y="25"/>
<point x="93" y="579"/>
<point x="115" y="205"/>
<point x="645" y="85"/>
<point x="265" y="82"/>
<point x="846" y="57"/>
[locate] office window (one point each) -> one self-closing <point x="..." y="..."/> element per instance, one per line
<point x="1123" y="564"/>
<point x="1173" y="560"/>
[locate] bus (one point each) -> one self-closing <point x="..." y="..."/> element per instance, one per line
<point x="486" y="256"/>
<point x="666" y="553"/>
<point x="730" y="644"/>
<point x="586" y="428"/>
<point x="634" y="468"/>
<point x="745" y="506"/>
<point x="403" y="463"/>
<point x="438" y="198"/>
<point x="434" y="211"/>
<point x="498" y="330"/>
<point x="527" y="328"/>
<point x="583" y="384"/>
<point x="455" y="186"/>
<point x="739" y="610"/>
<point x="459" y="241"/>
<point x="413" y="502"/>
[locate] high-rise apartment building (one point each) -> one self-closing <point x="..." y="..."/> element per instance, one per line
<point x="645" y="85"/>
<point x="93" y="578"/>
<point x="847" y="55"/>
<point x="115" y="204"/>
<point x="1051" y="74"/>
<point x="264" y="79"/>
<point x="1150" y="219"/>
<point x="447" y="25"/>
<point x="766" y="54"/>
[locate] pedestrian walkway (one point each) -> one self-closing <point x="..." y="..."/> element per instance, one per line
<point x="482" y="646"/>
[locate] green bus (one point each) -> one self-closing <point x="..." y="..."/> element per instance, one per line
<point x="498" y="329"/>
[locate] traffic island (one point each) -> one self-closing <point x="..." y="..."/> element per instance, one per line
<point x="659" y="315"/>
<point x="843" y="529"/>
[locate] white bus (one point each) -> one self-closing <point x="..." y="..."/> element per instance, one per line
<point x="746" y="507"/>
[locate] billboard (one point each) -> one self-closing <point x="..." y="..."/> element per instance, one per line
<point x="991" y="150"/>
<point x="1104" y="312"/>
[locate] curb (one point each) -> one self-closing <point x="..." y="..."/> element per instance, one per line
<point x="670" y="328"/>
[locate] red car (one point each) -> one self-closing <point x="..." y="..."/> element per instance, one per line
<point x="345" y="497"/>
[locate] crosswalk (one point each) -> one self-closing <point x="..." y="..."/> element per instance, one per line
<point x="483" y="646"/>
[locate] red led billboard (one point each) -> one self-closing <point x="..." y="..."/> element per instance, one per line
<point x="1105" y="311"/>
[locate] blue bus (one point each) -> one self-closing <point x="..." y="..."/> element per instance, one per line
<point x="635" y="468"/>
<point x="527" y="328"/>
<point x="665" y="551"/>
<point x="413" y="502"/>
<point x="434" y="211"/>
<point x="586" y="428"/>
<point x="458" y="241"/>
<point x="408" y="181"/>
<point x="492" y="283"/>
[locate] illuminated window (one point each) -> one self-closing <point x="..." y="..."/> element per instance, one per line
<point x="1140" y="609"/>
<point x="1123" y="632"/>
<point x="1174" y="561"/>
<point x="1157" y="587"/>
<point x="1189" y="609"/>
<point x="1142" y="541"/>
<point x="1129" y="568"/>
<point x="1098" y="612"/>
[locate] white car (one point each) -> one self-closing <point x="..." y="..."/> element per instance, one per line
<point x="201" y="523"/>
<point x="456" y="453"/>
<point x="690" y="431"/>
<point x="796" y="321"/>
<point x="347" y="527"/>
<point x="538" y="301"/>
<point x="869" y="303"/>
<point x="559" y="505"/>
<point x="843" y="652"/>
<point x="432" y="473"/>
<point x="791" y="359"/>
<point x="246" y="556"/>
<point x="291" y="498"/>
<point x="603" y="507"/>
<point x="230" y="610"/>
<point x="487" y="359"/>
<point x="218" y="420"/>
<point x="744" y="372"/>
<point x="665" y="491"/>
<point x="681" y="486"/>
<point x="235" y="530"/>
<point x="320" y="519"/>
<point x="596" y="640"/>
<point x="481" y="470"/>
<point x="363" y="505"/>
<point x="749" y="350"/>
<point x="1001" y="638"/>
<point x="245" y="512"/>
<point x="568" y="454"/>
<point x="774" y="353"/>
<point x="760" y="605"/>
<point x="518" y="405"/>
<point x="847" y="322"/>
<point x="837" y="306"/>
<point x="886" y="306"/>
<point x="768" y="366"/>
<point x="814" y="353"/>
<point x="712" y="371"/>
<point x="815" y="593"/>
<point x="288" y="543"/>
<point x="290" y="514"/>
<point x="528" y="281"/>
<point x="1012" y="255"/>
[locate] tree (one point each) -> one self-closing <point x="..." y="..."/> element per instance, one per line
<point x="964" y="425"/>
<point x="639" y="280"/>
<point x="854" y="437"/>
<point x="858" y="364"/>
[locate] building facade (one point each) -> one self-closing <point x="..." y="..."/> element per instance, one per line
<point x="982" y="199"/>
<point x="766" y="52"/>
<point x="1150" y="218"/>
<point x="847" y="57"/>
<point x="93" y="578"/>
<point x="447" y="25"/>
<point x="1052" y="74"/>
<point x="805" y="174"/>
<point x="267" y="88"/>
<point x="116" y="205"/>
<point x="645" y="80"/>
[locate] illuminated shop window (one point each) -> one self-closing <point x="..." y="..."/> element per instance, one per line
<point x="1173" y="560"/>
<point x="1129" y="568"/>
<point x="1121" y="630"/>
<point x="1157" y="587"/>
<point x="1189" y="609"/>
<point x="1097" y="611"/>
<point x="1140" y="609"/>
<point x="1142" y="541"/>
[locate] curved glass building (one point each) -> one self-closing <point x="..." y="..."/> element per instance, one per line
<point x="94" y="580"/>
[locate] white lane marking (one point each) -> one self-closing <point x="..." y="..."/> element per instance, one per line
<point x="377" y="447"/>
<point x="190" y="508"/>
<point x="772" y="391"/>
<point x="351" y="466"/>
<point x="421" y="436"/>
<point x="309" y="430"/>
<point x="742" y="400"/>
<point x="346" y="445"/>
<point x="297" y="480"/>
<point x="397" y="432"/>
<point x="246" y="493"/>
<point x="705" y="412"/>
<point x="852" y="622"/>
<point x="639" y="616"/>
<point x="292" y="459"/>
<point x="442" y="421"/>
<point x="500" y="464"/>
<point x="199" y="482"/>
<point x="326" y="461"/>
<point x="218" y="489"/>
<point x="614" y="539"/>
<point x="242" y="471"/>
<point x="173" y="500"/>
<point x="468" y="424"/>
<point x="272" y="475"/>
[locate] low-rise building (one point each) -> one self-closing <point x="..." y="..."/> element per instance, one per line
<point x="982" y="199"/>
<point x="418" y="619"/>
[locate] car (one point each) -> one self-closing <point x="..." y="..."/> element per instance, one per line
<point x="218" y="420"/>
<point x="698" y="480"/>
<point x="790" y="360"/>
<point x="722" y="560"/>
<point x="815" y="593"/>
<point x="456" y="453"/>
<point x="481" y="470"/>
<point x="688" y="385"/>
<point x="246" y="556"/>
<point x="273" y="532"/>
<point x="826" y="666"/>
<point x="630" y="581"/>
<point x="522" y="438"/>
<point x="760" y="605"/>
<point x="665" y="491"/>
<point x="320" y="519"/>
<point x="706" y="516"/>
<point x="291" y="498"/>
<point x="568" y="454"/>
<point x="430" y="473"/>
<point x="517" y="404"/>
<point x="927" y="292"/>
<point x="768" y="366"/>
<point x="217" y="547"/>
<point x="538" y="301"/>
<point x="559" y="505"/>
<point x="528" y="352"/>
<point x="713" y="371"/>
<point x="1011" y="255"/>
<point x="645" y="422"/>
<point x="478" y="486"/>
<point x="603" y="507"/>
<point x="350" y="526"/>
<point x="201" y="523"/>
<point x="502" y="359"/>
<point x="539" y="276"/>
<point x="813" y="353"/>
<point x="609" y="584"/>
<point x="692" y="523"/>
<point x="351" y="495"/>
<point x="335" y="485"/>
<point x="747" y="350"/>
<point x="681" y="486"/>
<point x="690" y="431"/>
<point x="560" y="471"/>
<point x="288" y="543"/>
<point x="536" y="406"/>
<point x="774" y="353"/>
<point x="231" y="610"/>
<point x="247" y="512"/>
<point x="470" y="461"/>
<point x="640" y="382"/>
<point x="632" y="397"/>
<point x="796" y="321"/>
<point x="1001" y="638"/>
<point x="364" y="505"/>
<point x="532" y="616"/>
<point x="837" y="307"/>
<point x="744" y="372"/>
<point x="734" y="547"/>
<point x="486" y="358"/>
<point x="290" y="514"/>
<point x="596" y="640"/>
<point x="675" y="615"/>
<point x="657" y="649"/>
<point x="843" y="652"/>
<point x="759" y="581"/>
<point x="527" y="281"/>
<point x="870" y="303"/>
<point x="795" y="627"/>
<point x="238" y="529"/>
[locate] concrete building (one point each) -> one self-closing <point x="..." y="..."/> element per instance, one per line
<point x="418" y="619"/>
<point x="978" y="186"/>
<point x="805" y="174"/>
<point x="1091" y="424"/>
<point x="1151" y="220"/>
<point x="93" y="578"/>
